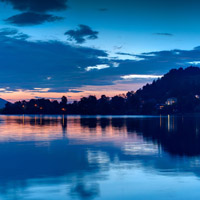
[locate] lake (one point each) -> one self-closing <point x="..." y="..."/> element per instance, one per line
<point x="99" y="157"/>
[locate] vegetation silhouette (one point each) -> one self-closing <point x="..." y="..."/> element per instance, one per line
<point x="180" y="84"/>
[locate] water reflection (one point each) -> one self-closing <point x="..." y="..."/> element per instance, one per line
<point x="67" y="157"/>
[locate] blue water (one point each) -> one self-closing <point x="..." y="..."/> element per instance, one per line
<point x="99" y="157"/>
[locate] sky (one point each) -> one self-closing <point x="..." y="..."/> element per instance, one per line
<point x="77" y="48"/>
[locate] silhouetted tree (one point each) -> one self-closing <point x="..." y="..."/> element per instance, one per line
<point x="63" y="105"/>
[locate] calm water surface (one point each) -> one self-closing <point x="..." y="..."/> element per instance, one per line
<point x="110" y="157"/>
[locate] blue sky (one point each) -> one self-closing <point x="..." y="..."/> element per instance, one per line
<point x="74" y="47"/>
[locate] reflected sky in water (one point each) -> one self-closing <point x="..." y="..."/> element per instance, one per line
<point x="99" y="157"/>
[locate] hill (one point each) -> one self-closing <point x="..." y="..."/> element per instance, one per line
<point x="181" y="84"/>
<point x="176" y="83"/>
<point x="2" y="103"/>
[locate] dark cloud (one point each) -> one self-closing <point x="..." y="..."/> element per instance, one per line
<point x="81" y="34"/>
<point x="125" y="54"/>
<point x="30" y="18"/>
<point x="63" y="89"/>
<point x="159" y="62"/>
<point x="38" y="5"/>
<point x="8" y="32"/>
<point x="29" y="64"/>
<point x="21" y="36"/>
<point x="164" y="34"/>
<point x="75" y="91"/>
<point x="14" y="33"/>
<point x="41" y="97"/>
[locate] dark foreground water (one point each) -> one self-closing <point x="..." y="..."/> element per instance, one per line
<point x="107" y="158"/>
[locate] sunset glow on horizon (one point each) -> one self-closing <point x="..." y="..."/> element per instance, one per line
<point x="57" y="48"/>
<point x="97" y="91"/>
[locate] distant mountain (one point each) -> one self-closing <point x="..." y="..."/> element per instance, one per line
<point x="2" y="103"/>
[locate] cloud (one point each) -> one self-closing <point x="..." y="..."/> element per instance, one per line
<point x="27" y="65"/>
<point x="41" y="90"/>
<point x="98" y="67"/>
<point x="159" y="62"/>
<point x="65" y="90"/>
<point x="82" y="34"/>
<point x="14" y="33"/>
<point x="115" y="64"/>
<point x="37" y="5"/>
<point x="30" y="18"/>
<point x="51" y="98"/>
<point x="164" y="34"/>
<point x="117" y="47"/>
<point x="194" y="63"/>
<point x="141" y="76"/>
<point x="21" y="36"/>
<point x="125" y="54"/>
<point x="8" y="32"/>
<point x="128" y="56"/>
<point x="74" y="91"/>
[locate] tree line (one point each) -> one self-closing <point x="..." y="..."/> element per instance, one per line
<point x="119" y="104"/>
<point x="182" y="84"/>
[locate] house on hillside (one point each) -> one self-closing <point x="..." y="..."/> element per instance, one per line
<point x="160" y="106"/>
<point x="171" y="101"/>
